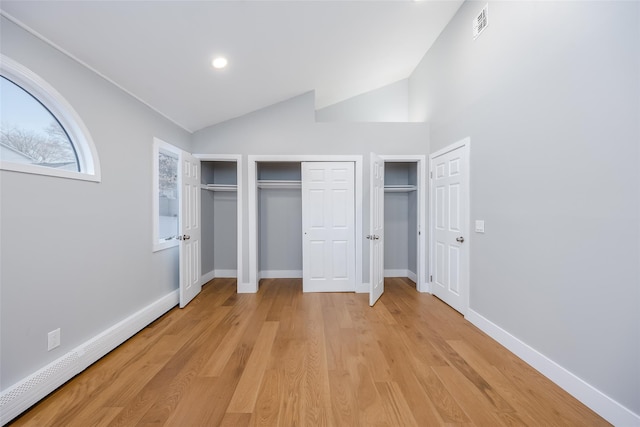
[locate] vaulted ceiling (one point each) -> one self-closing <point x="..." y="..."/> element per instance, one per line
<point x="161" y="51"/>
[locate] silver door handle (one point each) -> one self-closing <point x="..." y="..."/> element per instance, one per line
<point x="183" y="237"/>
<point x="460" y="239"/>
<point x="373" y="237"/>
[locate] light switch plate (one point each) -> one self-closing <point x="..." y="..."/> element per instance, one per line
<point x="479" y="226"/>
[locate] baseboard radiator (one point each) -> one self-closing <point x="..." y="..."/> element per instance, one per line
<point x="25" y="393"/>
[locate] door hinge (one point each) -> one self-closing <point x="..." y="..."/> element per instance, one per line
<point x="431" y="175"/>
<point x="431" y="278"/>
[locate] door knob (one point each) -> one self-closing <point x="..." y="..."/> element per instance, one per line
<point x="183" y="237"/>
<point x="460" y="239"/>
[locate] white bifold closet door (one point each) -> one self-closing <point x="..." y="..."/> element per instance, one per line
<point x="328" y="224"/>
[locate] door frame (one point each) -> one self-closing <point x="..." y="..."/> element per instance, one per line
<point x="251" y="285"/>
<point x="237" y="158"/>
<point x="466" y="145"/>
<point x="422" y="282"/>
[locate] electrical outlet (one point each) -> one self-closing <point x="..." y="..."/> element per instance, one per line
<point x="53" y="339"/>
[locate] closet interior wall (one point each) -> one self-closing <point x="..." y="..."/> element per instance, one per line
<point x="400" y="219"/>
<point x="279" y="219"/>
<point x="219" y="204"/>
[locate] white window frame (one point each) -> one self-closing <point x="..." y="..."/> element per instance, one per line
<point x="78" y="133"/>
<point x="158" y="146"/>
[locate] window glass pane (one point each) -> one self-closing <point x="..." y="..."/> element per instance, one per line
<point x="168" y="191"/>
<point x="30" y="134"/>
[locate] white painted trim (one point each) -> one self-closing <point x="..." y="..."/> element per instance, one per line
<point x="226" y="274"/>
<point x="223" y="274"/>
<point x="599" y="402"/>
<point x="466" y="142"/>
<point x="420" y="277"/>
<point x="401" y="273"/>
<point x="62" y="111"/>
<point x="239" y="203"/>
<point x="280" y="274"/>
<point x="22" y="395"/>
<point x="207" y="277"/>
<point x="412" y="276"/>
<point x="363" y="288"/>
<point x="252" y="204"/>
<point x="247" y="288"/>
<point x="390" y="272"/>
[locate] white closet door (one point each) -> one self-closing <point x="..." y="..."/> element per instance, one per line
<point x="328" y="225"/>
<point x="376" y="248"/>
<point x="190" y="231"/>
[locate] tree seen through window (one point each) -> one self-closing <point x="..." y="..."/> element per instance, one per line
<point x="30" y="134"/>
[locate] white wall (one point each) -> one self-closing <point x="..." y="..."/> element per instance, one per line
<point x="387" y="104"/>
<point x="290" y="128"/>
<point x="76" y="255"/>
<point x="549" y="95"/>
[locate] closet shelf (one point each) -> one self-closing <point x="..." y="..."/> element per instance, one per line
<point x="399" y="188"/>
<point x="219" y="187"/>
<point x="280" y="184"/>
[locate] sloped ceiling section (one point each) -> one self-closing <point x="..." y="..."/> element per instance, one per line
<point x="161" y="51"/>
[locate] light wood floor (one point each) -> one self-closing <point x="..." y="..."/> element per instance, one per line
<point x="284" y="358"/>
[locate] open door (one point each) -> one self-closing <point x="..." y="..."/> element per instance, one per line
<point x="376" y="237"/>
<point x="190" y="231"/>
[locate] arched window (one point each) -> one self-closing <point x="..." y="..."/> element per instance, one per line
<point x="39" y="131"/>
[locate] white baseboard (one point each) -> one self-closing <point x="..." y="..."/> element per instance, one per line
<point x="226" y="274"/>
<point x="22" y="395"/>
<point x="424" y="287"/>
<point x="280" y="274"/>
<point x="397" y="272"/>
<point x="599" y="402"/>
<point x="363" y="288"/>
<point x="401" y="273"/>
<point x="207" y="277"/>
<point x="247" y="288"/>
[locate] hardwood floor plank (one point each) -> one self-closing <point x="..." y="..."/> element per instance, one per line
<point x="244" y="398"/>
<point x="370" y="410"/>
<point x="193" y="409"/>
<point x="285" y="358"/>
<point x="343" y="399"/>
<point x="395" y="405"/>
<point x="220" y="356"/>
<point x="235" y="420"/>
<point x="316" y="402"/>
<point x="268" y="402"/>
<point x="476" y="404"/>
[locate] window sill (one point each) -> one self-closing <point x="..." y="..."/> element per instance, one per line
<point x="56" y="173"/>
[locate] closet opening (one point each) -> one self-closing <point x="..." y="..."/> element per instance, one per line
<point x="405" y="254"/>
<point x="297" y="205"/>
<point x="279" y="203"/>
<point x="220" y="213"/>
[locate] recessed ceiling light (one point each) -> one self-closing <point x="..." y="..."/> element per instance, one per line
<point x="219" y="62"/>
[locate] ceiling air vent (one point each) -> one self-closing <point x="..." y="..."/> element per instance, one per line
<point x="481" y="21"/>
